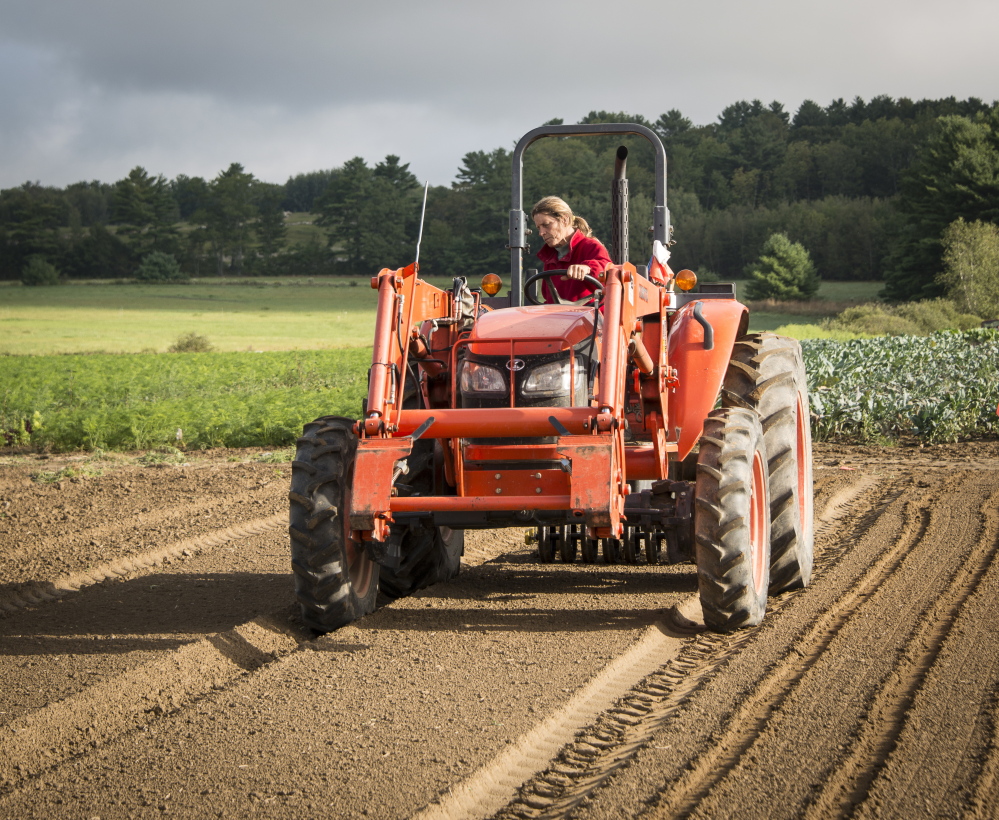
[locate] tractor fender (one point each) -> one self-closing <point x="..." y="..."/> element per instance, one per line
<point x="701" y="337"/>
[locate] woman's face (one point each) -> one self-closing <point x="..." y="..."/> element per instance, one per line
<point x="554" y="231"/>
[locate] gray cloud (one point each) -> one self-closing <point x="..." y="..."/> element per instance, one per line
<point x="89" y="90"/>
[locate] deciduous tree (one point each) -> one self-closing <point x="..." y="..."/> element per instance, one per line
<point x="971" y="266"/>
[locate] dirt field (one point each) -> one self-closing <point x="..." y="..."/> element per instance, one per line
<point x="152" y="664"/>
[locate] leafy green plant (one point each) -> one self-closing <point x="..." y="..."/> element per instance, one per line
<point x="55" y="476"/>
<point x="136" y="402"/>
<point x="940" y="387"/>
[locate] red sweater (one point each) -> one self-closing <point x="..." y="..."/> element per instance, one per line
<point x="583" y="250"/>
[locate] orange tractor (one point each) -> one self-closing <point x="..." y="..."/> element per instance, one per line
<point x="643" y="423"/>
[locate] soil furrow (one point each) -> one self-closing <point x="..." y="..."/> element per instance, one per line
<point x="698" y="728"/>
<point x="864" y="655"/>
<point x="938" y="710"/>
<point x="577" y="772"/>
<point x="40" y="592"/>
<point x="46" y="738"/>
<point x="185" y="689"/>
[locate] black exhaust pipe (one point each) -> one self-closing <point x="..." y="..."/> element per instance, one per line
<point x="619" y="208"/>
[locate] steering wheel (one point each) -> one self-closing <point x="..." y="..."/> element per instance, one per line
<point x="589" y="299"/>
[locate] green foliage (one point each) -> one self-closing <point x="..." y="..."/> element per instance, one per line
<point x="907" y="319"/>
<point x="160" y="267"/>
<point x="226" y="215"/>
<point x="955" y="175"/>
<point x="372" y="215"/>
<point x="827" y="177"/>
<point x="145" y="211"/>
<point x="783" y="271"/>
<point x="847" y="238"/>
<point x="130" y="402"/>
<point x="39" y="272"/>
<point x="99" y="254"/>
<point x="191" y="343"/>
<point x="942" y="387"/>
<point x="971" y="266"/>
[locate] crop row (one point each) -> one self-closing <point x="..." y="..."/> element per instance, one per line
<point x="943" y="387"/>
<point x="200" y="400"/>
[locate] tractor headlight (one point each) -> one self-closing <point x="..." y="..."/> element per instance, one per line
<point x="481" y="378"/>
<point x="551" y="378"/>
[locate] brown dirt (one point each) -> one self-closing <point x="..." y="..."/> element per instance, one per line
<point x="152" y="662"/>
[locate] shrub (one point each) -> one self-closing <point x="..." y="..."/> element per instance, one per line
<point x="39" y="272"/>
<point x="191" y="343"/>
<point x="160" y="267"/>
<point x="908" y="319"/>
<point x="783" y="271"/>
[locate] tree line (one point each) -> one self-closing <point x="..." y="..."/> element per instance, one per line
<point x="868" y="188"/>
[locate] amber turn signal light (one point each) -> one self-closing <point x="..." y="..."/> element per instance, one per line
<point x="491" y="284"/>
<point x="686" y="280"/>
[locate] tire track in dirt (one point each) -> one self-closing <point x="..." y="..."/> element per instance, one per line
<point x="491" y="786"/>
<point x="41" y="592"/>
<point x="624" y="727"/>
<point x="753" y="714"/>
<point x="612" y="743"/>
<point x="947" y="666"/>
<point x="48" y="737"/>
<point x="835" y="698"/>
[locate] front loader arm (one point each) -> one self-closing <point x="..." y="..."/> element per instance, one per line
<point x="403" y="301"/>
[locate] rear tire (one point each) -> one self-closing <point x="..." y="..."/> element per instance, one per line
<point x="767" y="375"/>
<point x="335" y="580"/>
<point x="428" y="554"/>
<point x="732" y="520"/>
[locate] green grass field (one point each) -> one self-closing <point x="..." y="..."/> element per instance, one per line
<point x="255" y="314"/>
<point x="130" y="318"/>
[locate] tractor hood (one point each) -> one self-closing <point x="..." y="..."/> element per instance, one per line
<point x="535" y="329"/>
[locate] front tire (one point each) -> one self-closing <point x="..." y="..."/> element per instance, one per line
<point x="732" y="520"/>
<point x="767" y="375"/>
<point x="335" y="580"/>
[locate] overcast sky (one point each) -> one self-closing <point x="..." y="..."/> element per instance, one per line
<point x="91" y="88"/>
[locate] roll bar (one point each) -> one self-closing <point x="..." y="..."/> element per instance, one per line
<point x="518" y="232"/>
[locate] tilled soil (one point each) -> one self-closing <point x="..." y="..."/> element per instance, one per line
<point x="152" y="662"/>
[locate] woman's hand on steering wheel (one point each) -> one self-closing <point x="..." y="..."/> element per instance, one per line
<point x="586" y="277"/>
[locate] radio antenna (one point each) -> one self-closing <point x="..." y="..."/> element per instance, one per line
<point x="423" y="213"/>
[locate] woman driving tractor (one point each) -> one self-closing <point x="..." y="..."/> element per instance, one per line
<point x="569" y="244"/>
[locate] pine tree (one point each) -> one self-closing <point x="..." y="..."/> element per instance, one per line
<point x="783" y="271"/>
